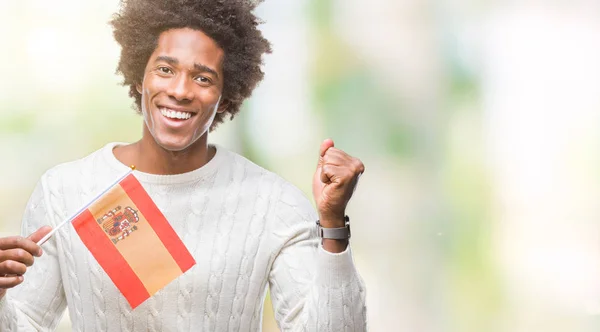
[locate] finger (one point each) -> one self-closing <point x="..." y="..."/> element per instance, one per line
<point x="326" y="144"/>
<point x="9" y="282"/>
<point x="19" y="242"/>
<point x="341" y="175"/>
<point x="12" y="268"/>
<point x="333" y="173"/>
<point x="334" y="150"/>
<point x="358" y="166"/>
<point x="40" y="233"/>
<point x="325" y="175"/>
<point x="17" y="255"/>
<point x="340" y="155"/>
<point x="336" y="157"/>
<point x="340" y="158"/>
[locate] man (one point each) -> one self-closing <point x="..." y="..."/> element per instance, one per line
<point x="189" y="64"/>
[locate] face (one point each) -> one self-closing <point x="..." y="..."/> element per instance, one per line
<point x="181" y="90"/>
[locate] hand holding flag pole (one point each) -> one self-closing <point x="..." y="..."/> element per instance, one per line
<point x="128" y="236"/>
<point x="72" y="217"/>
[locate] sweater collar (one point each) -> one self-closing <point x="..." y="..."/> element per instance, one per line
<point x="195" y="175"/>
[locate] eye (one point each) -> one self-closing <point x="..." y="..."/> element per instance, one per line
<point x="165" y="70"/>
<point x="203" y="80"/>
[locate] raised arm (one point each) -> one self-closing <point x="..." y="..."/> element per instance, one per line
<point x="314" y="283"/>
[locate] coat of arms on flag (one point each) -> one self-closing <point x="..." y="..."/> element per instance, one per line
<point x="119" y="223"/>
<point x="132" y="241"/>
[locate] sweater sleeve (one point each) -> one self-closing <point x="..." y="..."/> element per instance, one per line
<point x="38" y="303"/>
<point x="311" y="288"/>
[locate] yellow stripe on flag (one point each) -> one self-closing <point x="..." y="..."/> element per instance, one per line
<point x="147" y="256"/>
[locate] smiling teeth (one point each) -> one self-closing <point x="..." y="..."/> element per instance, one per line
<point x="175" y="114"/>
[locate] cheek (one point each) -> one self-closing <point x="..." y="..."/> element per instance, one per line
<point x="145" y="102"/>
<point x="148" y="91"/>
<point x="151" y="86"/>
<point x="211" y="99"/>
<point x="145" y="105"/>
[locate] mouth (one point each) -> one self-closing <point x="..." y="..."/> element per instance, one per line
<point x="175" y="114"/>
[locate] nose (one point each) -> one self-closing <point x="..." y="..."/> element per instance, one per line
<point x="180" y="89"/>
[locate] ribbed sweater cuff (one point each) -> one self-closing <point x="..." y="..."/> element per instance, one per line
<point x="335" y="269"/>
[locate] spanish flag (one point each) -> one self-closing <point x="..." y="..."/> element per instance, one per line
<point x="132" y="241"/>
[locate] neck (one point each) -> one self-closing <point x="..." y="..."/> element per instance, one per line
<point x="149" y="157"/>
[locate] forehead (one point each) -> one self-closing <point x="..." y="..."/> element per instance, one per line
<point x="189" y="46"/>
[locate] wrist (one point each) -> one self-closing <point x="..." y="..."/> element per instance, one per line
<point x="334" y="246"/>
<point x="332" y="221"/>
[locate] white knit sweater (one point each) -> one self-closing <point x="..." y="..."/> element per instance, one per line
<point x="245" y="227"/>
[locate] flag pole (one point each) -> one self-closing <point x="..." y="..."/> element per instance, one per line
<point x="70" y="219"/>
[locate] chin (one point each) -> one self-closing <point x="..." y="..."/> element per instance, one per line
<point x="173" y="145"/>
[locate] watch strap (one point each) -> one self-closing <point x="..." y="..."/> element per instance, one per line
<point x="340" y="233"/>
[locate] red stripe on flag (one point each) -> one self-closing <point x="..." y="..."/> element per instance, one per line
<point x="110" y="259"/>
<point x="159" y="223"/>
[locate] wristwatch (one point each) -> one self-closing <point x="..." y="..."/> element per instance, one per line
<point x="340" y="233"/>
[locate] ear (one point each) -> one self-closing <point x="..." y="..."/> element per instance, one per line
<point x="223" y="106"/>
<point x="138" y="88"/>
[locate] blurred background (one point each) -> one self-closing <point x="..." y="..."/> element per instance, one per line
<point x="478" y="123"/>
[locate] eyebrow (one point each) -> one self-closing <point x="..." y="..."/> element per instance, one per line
<point x="199" y="67"/>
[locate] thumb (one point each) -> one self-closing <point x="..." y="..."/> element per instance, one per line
<point x="328" y="143"/>
<point x="40" y="233"/>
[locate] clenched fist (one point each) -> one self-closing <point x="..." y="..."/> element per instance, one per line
<point x="334" y="183"/>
